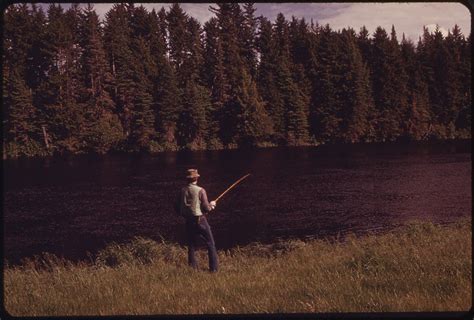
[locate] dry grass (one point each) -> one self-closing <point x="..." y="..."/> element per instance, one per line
<point x="422" y="267"/>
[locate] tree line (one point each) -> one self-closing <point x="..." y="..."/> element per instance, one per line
<point x="159" y="80"/>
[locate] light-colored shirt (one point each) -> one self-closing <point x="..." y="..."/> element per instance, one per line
<point x="193" y="201"/>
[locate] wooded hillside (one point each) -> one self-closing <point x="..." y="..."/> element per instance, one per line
<point x="153" y="81"/>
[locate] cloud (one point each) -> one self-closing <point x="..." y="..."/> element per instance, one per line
<point x="432" y="27"/>
<point x="408" y="18"/>
<point x="199" y="11"/>
<point x="300" y="10"/>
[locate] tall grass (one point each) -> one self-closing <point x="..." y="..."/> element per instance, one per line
<point x="423" y="267"/>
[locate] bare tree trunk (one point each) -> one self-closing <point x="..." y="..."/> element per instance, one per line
<point x="45" y="136"/>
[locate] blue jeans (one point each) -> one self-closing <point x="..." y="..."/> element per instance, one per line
<point x="199" y="228"/>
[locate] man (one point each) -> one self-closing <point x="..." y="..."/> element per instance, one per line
<point x="192" y="202"/>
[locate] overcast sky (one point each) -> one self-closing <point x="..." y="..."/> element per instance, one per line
<point x="408" y="18"/>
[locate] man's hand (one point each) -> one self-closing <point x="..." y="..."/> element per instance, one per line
<point x="213" y="204"/>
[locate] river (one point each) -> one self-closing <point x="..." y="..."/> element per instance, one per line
<point x="77" y="204"/>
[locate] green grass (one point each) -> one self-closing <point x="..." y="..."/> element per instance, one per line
<point x="422" y="267"/>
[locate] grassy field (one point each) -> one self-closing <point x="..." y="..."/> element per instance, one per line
<point x="422" y="267"/>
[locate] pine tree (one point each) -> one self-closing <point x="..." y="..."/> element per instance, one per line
<point x="326" y="109"/>
<point x="168" y="100"/>
<point x="456" y="92"/>
<point x="231" y="65"/>
<point x="142" y="119"/>
<point x="248" y="35"/>
<point x="442" y="79"/>
<point x="35" y="65"/>
<point x="62" y="113"/>
<point x="354" y="92"/>
<point x="253" y="125"/>
<point x="165" y="92"/>
<point x="463" y="122"/>
<point x="22" y="127"/>
<point x="214" y="79"/>
<point x="296" y="108"/>
<point x="20" y="117"/>
<point x="365" y="44"/>
<point x="144" y="71"/>
<point x="192" y="124"/>
<point x="102" y="128"/>
<point x="177" y="20"/>
<point x="17" y="37"/>
<point x="210" y="53"/>
<point x="300" y="42"/>
<point x="417" y="118"/>
<point x="193" y="64"/>
<point x="267" y="79"/>
<point x="117" y="38"/>
<point x="296" y="102"/>
<point x="389" y="85"/>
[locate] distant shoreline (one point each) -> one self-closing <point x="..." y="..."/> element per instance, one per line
<point x="259" y="147"/>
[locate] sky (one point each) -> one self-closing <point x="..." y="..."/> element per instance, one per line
<point x="408" y="18"/>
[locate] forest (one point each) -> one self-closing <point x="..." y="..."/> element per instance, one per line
<point x="153" y="81"/>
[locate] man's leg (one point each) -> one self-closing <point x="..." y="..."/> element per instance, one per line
<point x="206" y="233"/>
<point x="191" y="239"/>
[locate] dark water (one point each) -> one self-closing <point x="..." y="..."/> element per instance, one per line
<point x="69" y="206"/>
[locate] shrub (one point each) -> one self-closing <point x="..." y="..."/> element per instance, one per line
<point x="114" y="255"/>
<point x="140" y="251"/>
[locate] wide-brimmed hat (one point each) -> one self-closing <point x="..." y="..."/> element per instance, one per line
<point x="192" y="173"/>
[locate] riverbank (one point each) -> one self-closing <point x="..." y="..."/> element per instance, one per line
<point x="39" y="154"/>
<point x="421" y="267"/>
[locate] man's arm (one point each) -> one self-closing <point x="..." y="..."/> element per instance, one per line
<point x="205" y="205"/>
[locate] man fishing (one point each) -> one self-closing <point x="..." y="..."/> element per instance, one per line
<point x="191" y="204"/>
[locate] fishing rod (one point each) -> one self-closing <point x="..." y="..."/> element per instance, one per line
<point x="233" y="185"/>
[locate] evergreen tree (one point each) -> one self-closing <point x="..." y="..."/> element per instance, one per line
<point x="214" y="78"/>
<point x="210" y="54"/>
<point x="389" y="85"/>
<point x="192" y="125"/>
<point x="253" y="125"/>
<point x="296" y="101"/>
<point x="354" y="92"/>
<point x="326" y="109"/>
<point x="228" y="16"/>
<point x="144" y="71"/>
<point x="16" y="38"/>
<point x="456" y="92"/>
<point x="417" y="119"/>
<point x="267" y="79"/>
<point x="35" y="65"/>
<point x="102" y="127"/>
<point x="193" y="64"/>
<point x="20" y="118"/>
<point x="463" y="122"/>
<point x="443" y="83"/>
<point x="296" y="113"/>
<point x="62" y="113"/>
<point x="22" y="127"/>
<point x="117" y="37"/>
<point x="165" y="92"/>
<point x="365" y="44"/>
<point x="168" y="99"/>
<point x="300" y="43"/>
<point x="177" y="20"/>
<point x="248" y="35"/>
